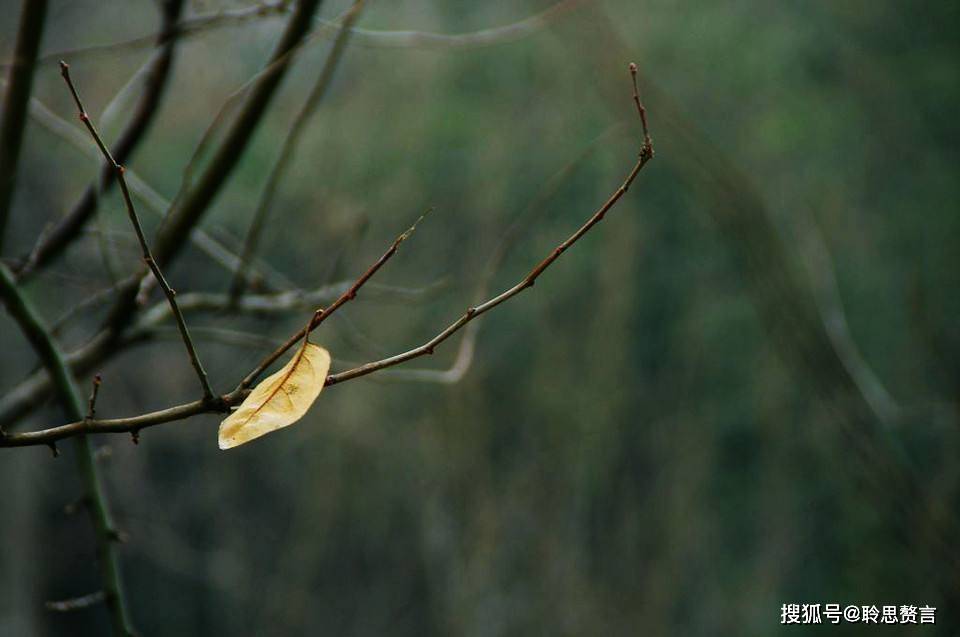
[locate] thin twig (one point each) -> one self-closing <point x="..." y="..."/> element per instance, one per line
<point x="463" y="359"/>
<point x="289" y="147"/>
<point x="135" y="221"/>
<point x="646" y="154"/>
<point x="13" y="124"/>
<point x="92" y="403"/>
<point x="321" y="315"/>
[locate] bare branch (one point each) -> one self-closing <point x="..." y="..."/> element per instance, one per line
<point x="465" y="350"/>
<point x="13" y="124"/>
<point x="646" y="154"/>
<point x="135" y="221"/>
<point x="92" y="403"/>
<point x="323" y="314"/>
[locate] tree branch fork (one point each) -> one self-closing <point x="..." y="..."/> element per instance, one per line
<point x="211" y="403"/>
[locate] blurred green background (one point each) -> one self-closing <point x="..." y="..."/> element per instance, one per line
<point x="739" y="391"/>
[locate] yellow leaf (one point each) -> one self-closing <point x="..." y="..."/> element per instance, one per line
<point x="280" y="400"/>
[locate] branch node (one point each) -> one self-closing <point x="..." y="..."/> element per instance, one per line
<point x="135" y="436"/>
<point x="53" y="449"/>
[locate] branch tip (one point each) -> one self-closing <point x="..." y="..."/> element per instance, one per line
<point x="403" y="237"/>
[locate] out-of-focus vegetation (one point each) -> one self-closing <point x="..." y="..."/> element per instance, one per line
<point x="739" y="391"/>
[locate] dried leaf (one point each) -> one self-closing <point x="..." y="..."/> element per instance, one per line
<point x="280" y="400"/>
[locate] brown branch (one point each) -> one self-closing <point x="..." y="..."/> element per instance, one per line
<point x="13" y="124"/>
<point x="323" y="314"/>
<point x="225" y="402"/>
<point x="646" y="154"/>
<point x="68" y="228"/>
<point x="533" y="211"/>
<point x="135" y="221"/>
<point x="92" y="403"/>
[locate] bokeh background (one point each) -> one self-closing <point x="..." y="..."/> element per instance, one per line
<point x="739" y="391"/>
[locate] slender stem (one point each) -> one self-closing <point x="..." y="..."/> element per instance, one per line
<point x="13" y="124"/>
<point x="147" y="255"/>
<point x="528" y="281"/>
<point x="289" y="147"/>
<point x="321" y="315"/>
<point x="39" y="336"/>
